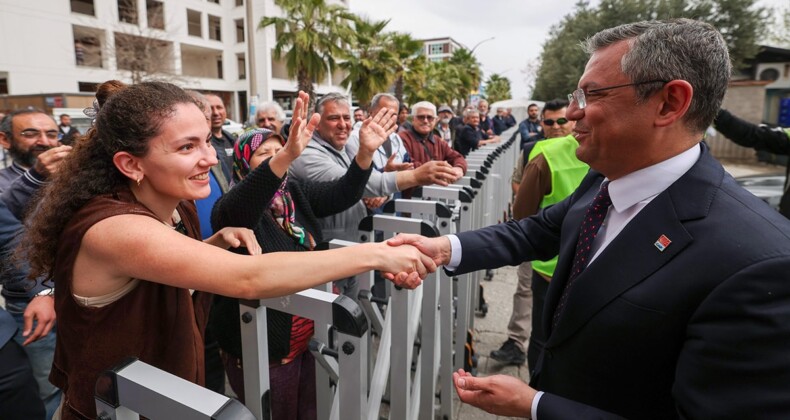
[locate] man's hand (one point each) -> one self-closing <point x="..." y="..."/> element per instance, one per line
<point x="41" y="309"/>
<point x="405" y="265"/>
<point x="459" y="173"/>
<point x="376" y="130"/>
<point x="301" y="128"/>
<point x="438" y="249"/>
<point x="48" y="162"/>
<point x="435" y="172"/>
<point x="502" y="395"/>
<point x="375" y="202"/>
<point x="234" y="237"/>
<point x="391" y="166"/>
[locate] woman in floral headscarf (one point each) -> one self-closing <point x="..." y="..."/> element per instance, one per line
<point x="284" y="215"/>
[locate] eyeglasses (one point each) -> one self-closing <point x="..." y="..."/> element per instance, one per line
<point x="428" y="118"/>
<point x="560" y="121"/>
<point x="578" y="95"/>
<point x="32" y="134"/>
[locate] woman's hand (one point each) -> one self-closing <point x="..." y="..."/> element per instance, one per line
<point x="301" y="127"/>
<point x="234" y="237"/>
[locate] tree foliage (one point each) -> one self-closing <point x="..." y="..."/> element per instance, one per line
<point x="563" y="61"/>
<point x="498" y="88"/>
<point x="369" y="64"/>
<point x="310" y="37"/>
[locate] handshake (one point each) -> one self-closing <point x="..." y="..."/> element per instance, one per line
<point x="406" y="259"/>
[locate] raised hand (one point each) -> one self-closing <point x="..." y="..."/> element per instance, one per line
<point x="301" y="127"/>
<point x="48" y="162"/>
<point x="375" y="130"/>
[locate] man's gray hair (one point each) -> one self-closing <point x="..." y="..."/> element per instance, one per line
<point x="470" y="111"/>
<point x="271" y="105"/>
<point x="423" y="105"/>
<point x="329" y="97"/>
<point x="375" y="103"/>
<point x="675" y="49"/>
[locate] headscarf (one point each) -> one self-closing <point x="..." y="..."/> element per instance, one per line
<point x="281" y="204"/>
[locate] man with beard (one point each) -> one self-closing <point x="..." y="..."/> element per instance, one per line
<point x="67" y="132"/>
<point x="31" y="138"/>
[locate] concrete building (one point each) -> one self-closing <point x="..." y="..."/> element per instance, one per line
<point x="440" y="49"/>
<point x="72" y="45"/>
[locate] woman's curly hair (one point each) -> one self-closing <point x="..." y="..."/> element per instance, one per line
<point x="129" y="116"/>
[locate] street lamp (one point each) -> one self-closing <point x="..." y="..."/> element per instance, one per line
<point x="478" y="44"/>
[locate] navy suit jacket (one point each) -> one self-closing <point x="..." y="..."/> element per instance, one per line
<point x="700" y="330"/>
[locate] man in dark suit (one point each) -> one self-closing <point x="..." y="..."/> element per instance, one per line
<point x="671" y="297"/>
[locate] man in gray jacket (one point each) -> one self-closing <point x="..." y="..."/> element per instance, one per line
<point x="325" y="159"/>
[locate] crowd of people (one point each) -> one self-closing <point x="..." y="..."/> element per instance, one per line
<point x="658" y="285"/>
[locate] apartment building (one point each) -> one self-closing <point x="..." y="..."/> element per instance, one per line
<point x="440" y="49"/>
<point x="70" y="46"/>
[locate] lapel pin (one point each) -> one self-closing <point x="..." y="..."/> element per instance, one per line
<point x="662" y="243"/>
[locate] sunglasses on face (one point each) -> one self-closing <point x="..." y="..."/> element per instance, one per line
<point x="428" y="118"/>
<point x="560" y="121"/>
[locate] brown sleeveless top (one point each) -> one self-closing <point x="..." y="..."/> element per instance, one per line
<point x="160" y="325"/>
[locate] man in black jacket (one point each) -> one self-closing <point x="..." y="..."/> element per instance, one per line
<point x="760" y="137"/>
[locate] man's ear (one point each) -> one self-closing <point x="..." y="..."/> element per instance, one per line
<point x="675" y="101"/>
<point x="129" y="165"/>
<point x="5" y="142"/>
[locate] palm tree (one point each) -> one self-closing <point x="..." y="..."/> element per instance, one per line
<point x="407" y="51"/>
<point x="498" y="88"/>
<point x="471" y="71"/>
<point x="370" y="64"/>
<point x="309" y="36"/>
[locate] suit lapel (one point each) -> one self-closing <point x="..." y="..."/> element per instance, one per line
<point x="632" y="256"/>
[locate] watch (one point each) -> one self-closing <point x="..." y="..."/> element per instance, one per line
<point x="46" y="292"/>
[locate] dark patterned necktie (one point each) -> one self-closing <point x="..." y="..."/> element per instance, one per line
<point x="592" y="222"/>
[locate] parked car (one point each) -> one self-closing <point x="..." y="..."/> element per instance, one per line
<point x="768" y="188"/>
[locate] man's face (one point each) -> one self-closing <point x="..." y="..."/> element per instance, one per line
<point x="268" y="119"/>
<point x="473" y="119"/>
<point x="445" y="116"/>
<point x="335" y="124"/>
<point x="218" y="113"/>
<point x="556" y="129"/>
<point x="533" y="112"/>
<point x="424" y="121"/>
<point x="31" y="134"/>
<point x="359" y="115"/>
<point x="612" y="128"/>
<point x="482" y="107"/>
<point x="65" y="121"/>
<point x="403" y="115"/>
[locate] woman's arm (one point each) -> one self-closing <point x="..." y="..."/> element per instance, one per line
<point x="328" y="198"/>
<point x="164" y="256"/>
<point x="244" y="204"/>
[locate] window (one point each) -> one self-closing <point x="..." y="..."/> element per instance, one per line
<point x="87" y="86"/>
<point x="214" y="28"/>
<point x="239" y="3"/>
<point x="219" y="68"/>
<point x="4" y="85"/>
<point x="242" y="64"/>
<point x="155" y="11"/>
<point x="435" y="49"/>
<point x="127" y="11"/>
<point x="239" y="30"/>
<point x="193" y="23"/>
<point x="214" y="1"/>
<point x="83" y="6"/>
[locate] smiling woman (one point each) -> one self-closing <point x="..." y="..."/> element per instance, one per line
<point x="117" y="231"/>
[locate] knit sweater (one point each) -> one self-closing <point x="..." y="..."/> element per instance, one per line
<point x="247" y="205"/>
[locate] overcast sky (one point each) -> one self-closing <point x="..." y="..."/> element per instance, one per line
<point x="519" y="27"/>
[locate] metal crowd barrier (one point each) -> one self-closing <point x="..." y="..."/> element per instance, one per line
<point x="417" y="350"/>
<point x="134" y="388"/>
